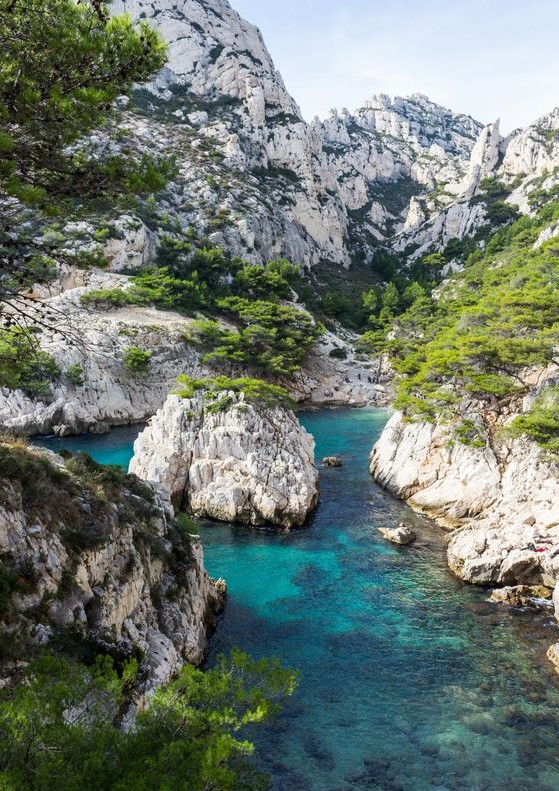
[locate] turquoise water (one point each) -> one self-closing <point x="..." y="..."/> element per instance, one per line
<point x="112" y="448"/>
<point x="410" y="680"/>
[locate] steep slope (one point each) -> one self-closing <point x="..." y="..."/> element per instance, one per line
<point x="91" y="561"/>
<point x="476" y="441"/>
<point x="524" y="165"/>
<point x="274" y="185"/>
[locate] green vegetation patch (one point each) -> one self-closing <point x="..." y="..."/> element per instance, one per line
<point x="541" y="423"/>
<point x="255" y="390"/>
<point x="194" y="735"/>
<point x="270" y="337"/>
<point x="489" y="325"/>
<point x="23" y="365"/>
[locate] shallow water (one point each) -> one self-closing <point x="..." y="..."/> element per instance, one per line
<point x="410" y="680"/>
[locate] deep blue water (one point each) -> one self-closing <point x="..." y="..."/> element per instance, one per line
<point x="410" y="680"/>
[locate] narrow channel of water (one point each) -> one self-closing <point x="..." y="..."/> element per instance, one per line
<point x="410" y="680"/>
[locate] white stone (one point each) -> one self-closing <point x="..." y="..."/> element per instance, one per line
<point x="249" y="463"/>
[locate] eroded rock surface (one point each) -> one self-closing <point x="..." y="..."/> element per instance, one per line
<point x="95" y="557"/>
<point x="240" y="463"/>
<point x="502" y="502"/>
<point x="402" y="534"/>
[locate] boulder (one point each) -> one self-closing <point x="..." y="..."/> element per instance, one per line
<point x="402" y="534"/>
<point x="332" y="461"/>
<point x="522" y="595"/>
<point x="234" y="462"/>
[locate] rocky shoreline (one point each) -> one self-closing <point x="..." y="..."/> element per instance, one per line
<point x="500" y="502"/>
<point x="95" y="340"/>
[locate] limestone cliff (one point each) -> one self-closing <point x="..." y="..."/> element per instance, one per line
<point x="94" y="341"/>
<point x="260" y="180"/>
<point x="498" y="499"/>
<point x="92" y="561"/>
<point x="230" y="460"/>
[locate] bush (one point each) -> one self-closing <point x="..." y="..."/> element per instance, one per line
<point x="74" y="374"/>
<point x="541" y="423"/>
<point x="187" y="738"/>
<point x="255" y="390"/>
<point x="338" y="353"/>
<point x="270" y="337"/>
<point x="136" y="360"/>
<point x="23" y="365"/>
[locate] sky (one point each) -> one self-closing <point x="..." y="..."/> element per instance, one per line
<point x="487" y="58"/>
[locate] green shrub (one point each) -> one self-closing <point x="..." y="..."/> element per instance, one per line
<point x="23" y="365"/>
<point x="194" y="734"/>
<point x="338" y="353"/>
<point x="270" y="337"/>
<point x="74" y="374"/>
<point x="136" y="360"/>
<point x="541" y="423"/>
<point x="113" y="297"/>
<point x="255" y="390"/>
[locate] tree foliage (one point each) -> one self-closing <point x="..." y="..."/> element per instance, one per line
<point x="57" y="730"/>
<point x="270" y="337"/>
<point x="489" y="325"/>
<point x="63" y="65"/>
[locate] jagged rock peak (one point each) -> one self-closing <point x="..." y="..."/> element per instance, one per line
<point x="213" y="51"/>
<point x="417" y="117"/>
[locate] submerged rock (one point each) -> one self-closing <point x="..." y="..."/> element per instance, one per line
<point x="403" y="534"/>
<point x="234" y="462"/>
<point x="522" y="595"/>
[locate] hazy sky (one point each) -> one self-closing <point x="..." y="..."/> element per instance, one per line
<point x="486" y="58"/>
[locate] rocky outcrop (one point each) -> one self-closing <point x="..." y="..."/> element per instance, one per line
<point x="523" y="596"/>
<point x="502" y="501"/>
<point x="91" y="557"/>
<point x="93" y="340"/>
<point x="402" y="534"/>
<point x="230" y="460"/>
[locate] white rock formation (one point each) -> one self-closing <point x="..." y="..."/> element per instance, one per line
<point x="503" y="500"/>
<point x="285" y="187"/>
<point x="402" y="534"/>
<point x="247" y="463"/>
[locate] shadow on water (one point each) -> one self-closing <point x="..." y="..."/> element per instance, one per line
<point x="410" y="680"/>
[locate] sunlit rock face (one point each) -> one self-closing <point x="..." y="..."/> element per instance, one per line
<point x="235" y="462"/>
<point x="327" y="191"/>
<point x="99" y="566"/>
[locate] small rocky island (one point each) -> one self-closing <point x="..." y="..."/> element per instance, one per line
<point x="230" y="458"/>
